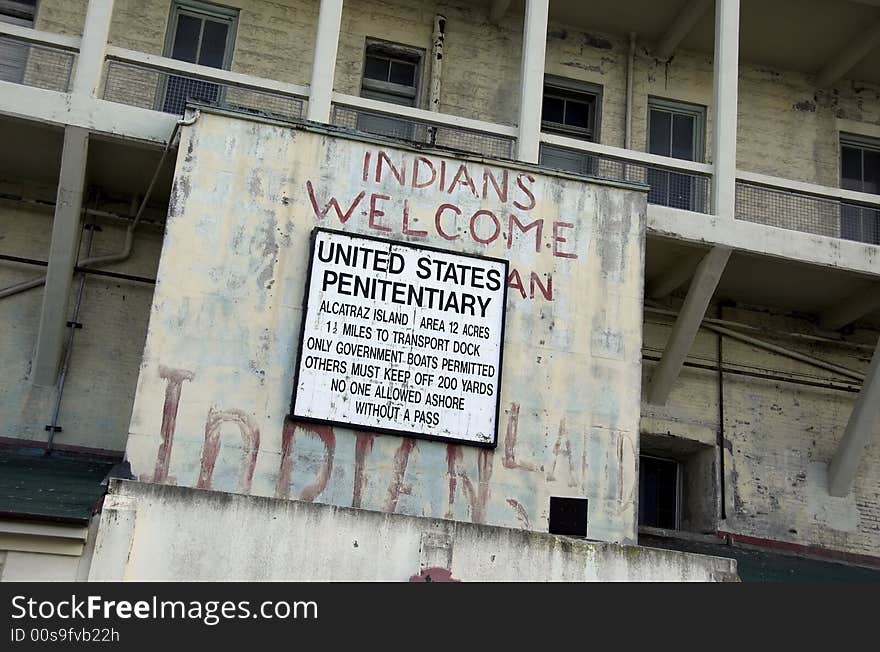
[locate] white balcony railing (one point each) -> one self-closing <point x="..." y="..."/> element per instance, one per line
<point x="808" y="207"/>
<point x="36" y="58"/>
<point x="46" y="60"/>
<point x="421" y="127"/>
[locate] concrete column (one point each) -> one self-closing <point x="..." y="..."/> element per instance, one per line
<point x="861" y="426"/>
<point x="532" y="80"/>
<point x="724" y="106"/>
<point x="90" y="63"/>
<point x="62" y="256"/>
<point x="324" y="61"/>
<point x="686" y="325"/>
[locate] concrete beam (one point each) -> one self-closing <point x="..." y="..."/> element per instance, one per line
<point x="724" y="106"/>
<point x="90" y="62"/>
<point x="684" y="331"/>
<point x="850" y="309"/>
<point x="497" y="10"/>
<point x="62" y="257"/>
<point x="856" y="50"/>
<point x="680" y="27"/>
<point x="528" y="143"/>
<point x="324" y="60"/>
<point x="674" y="277"/>
<point x="859" y="430"/>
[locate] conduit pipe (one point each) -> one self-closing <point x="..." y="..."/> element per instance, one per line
<point x="129" y="232"/>
<point x="780" y="350"/>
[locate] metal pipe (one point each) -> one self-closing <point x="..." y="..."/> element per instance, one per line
<point x="82" y="270"/>
<point x="65" y="365"/>
<point x="838" y="340"/>
<point x="437" y="45"/>
<point x="129" y="232"/>
<point x="775" y="348"/>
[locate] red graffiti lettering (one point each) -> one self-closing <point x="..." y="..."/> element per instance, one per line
<point x="558" y="239"/>
<point x="285" y="469"/>
<point x="250" y="439"/>
<point x="444" y="207"/>
<point x="175" y="378"/>
<point x="322" y="213"/>
<point x="401" y="459"/>
<point x="478" y="498"/>
<point x="509" y="460"/>
<point x="538" y="225"/>
<point x="362" y="446"/>
<point x="495" y="232"/>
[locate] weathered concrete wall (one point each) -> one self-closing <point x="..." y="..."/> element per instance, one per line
<point x="224" y="331"/>
<point x="245" y="538"/>
<point x="778" y="436"/>
<point x="100" y="384"/>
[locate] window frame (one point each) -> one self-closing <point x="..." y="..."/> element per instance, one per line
<point x="858" y="142"/>
<point x="696" y="111"/>
<point x="201" y="9"/>
<point x="20" y="12"/>
<point x="394" y="52"/>
<point x="573" y="86"/>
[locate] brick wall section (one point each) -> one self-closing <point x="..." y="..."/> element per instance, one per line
<point x="779" y="436"/>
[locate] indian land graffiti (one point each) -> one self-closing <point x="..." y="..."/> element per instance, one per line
<point x="462" y="483"/>
<point x="510" y="218"/>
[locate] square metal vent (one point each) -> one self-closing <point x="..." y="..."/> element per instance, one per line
<point x="568" y="516"/>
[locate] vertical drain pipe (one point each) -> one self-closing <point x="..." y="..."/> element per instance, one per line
<point x="438" y="38"/>
<point x="720" y="433"/>
<point x="72" y="325"/>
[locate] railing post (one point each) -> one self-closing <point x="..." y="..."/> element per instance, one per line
<point x="528" y="143"/>
<point x="90" y="63"/>
<point x="324" y="61"/>
<point x="724" y="106"/>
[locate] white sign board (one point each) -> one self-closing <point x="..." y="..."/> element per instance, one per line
<point x="401" y="339"/>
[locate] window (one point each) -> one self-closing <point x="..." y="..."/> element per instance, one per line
<point x="675" y="130"/>
<point x="13" y="54"/>
<point x="201" y="33"/>
<point x="570" y="108"/>
<point x="860" y="171"/>
<point x="391" y="74"/>
<point x="18" y="12"/>
<point x="659" y="492"/>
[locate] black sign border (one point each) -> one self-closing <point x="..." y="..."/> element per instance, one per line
<point x="390" y="431"/>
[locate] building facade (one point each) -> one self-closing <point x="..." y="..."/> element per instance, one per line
<point x="687" y="198"/>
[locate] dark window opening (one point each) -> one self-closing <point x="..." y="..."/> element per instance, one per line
<point x="199" y="33"/>
<point x="675" y="130"/>
<point x="570" y="108"/>
<point x="860" y="171"/>
<point x="14" y="53"/>
<point x="659" y="492"/>
<point x="391" y="74"/>
<point x="18" y="12"/>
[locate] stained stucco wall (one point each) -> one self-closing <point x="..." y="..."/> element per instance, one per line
<point x="788" y="127"/>
<point x="140" y="538"/>
<point x="217" y="376"/>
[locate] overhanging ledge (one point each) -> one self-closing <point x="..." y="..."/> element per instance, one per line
<point x="740" y="235"/>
